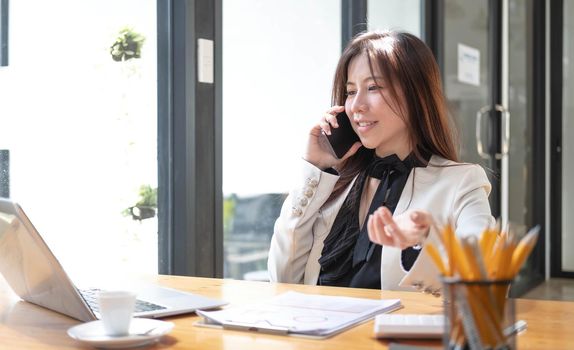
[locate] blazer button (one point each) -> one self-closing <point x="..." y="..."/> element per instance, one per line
<point x="308" y="192"/>
<point x="297" y="211"/>
<point x="312" y="182"/>
<point x="303" y="201"/>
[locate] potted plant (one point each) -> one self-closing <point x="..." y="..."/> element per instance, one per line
<point x="128" y="45"/>
<point x="146" y="207"/>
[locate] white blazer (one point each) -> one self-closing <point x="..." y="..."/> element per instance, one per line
<point x="446" y="189"/>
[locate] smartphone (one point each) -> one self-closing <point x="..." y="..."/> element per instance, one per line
<point x="343" y="137"/>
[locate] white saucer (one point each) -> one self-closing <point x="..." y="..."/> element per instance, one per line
<point x="92" y="333"/>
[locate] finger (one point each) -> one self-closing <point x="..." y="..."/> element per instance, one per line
<point x="331" y="119"/>
<point x="336" y="109"/>
<point x="422" y="222"/>
<point x="400" y="238"/>
<point x="372" y="229"/>
<point x="420" y="218"/>
<point x="379" y="235"/>
<point x="379" y="224"/>
<point x="387" y="218"/>
<point x="325" y="126"/>
<point x="392" y="229"/>
<point x="385" y="211"/>
<point x="387" y="234"/>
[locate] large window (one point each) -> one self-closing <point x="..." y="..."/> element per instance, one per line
<point x="279" y="59"/>
<point x="80" y="128"/>
<point x="395" y="14"/>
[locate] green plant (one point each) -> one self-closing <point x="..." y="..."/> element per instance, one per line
<point x="148" y="196"/>
<point x="228" y="213"/>
<point x="146" y="205"/>
<point x="128" y="45"/>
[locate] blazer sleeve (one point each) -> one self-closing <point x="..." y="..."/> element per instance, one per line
<point x="470" y="213"/>
<point x="293" y="232"/>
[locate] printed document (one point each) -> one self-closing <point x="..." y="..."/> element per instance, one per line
<point x="299" y="313"/>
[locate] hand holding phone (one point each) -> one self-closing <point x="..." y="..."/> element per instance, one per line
<point x="342" y="138"/>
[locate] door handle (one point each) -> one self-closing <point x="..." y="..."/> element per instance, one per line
<point x="505" y="131"/>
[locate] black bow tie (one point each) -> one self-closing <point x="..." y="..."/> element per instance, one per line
<point x="381" y="166"/>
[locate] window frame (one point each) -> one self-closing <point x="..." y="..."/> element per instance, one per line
<point x="4" y="10"/>
<point x="190" y="232"/>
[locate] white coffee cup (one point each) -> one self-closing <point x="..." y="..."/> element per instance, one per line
<point x="116" y="309"/>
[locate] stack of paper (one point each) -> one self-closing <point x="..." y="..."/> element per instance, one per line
<point x="300" y="314"/>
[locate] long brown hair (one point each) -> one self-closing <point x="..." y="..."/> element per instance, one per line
<point x="408" y="66"/>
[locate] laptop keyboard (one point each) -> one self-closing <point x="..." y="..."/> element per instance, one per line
<point x="91" y="298"/>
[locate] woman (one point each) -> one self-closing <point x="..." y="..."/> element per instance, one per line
<point x="362" y="220"/>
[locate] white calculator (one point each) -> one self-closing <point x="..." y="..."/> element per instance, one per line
<point x="409" y="326"/>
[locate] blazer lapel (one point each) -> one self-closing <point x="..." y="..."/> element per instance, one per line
<point x="421" y="177"/>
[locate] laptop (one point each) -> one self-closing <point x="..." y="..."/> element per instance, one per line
<point x="34" y="273"/>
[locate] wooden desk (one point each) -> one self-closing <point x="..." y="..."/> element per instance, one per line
<point x="26" y="326"/>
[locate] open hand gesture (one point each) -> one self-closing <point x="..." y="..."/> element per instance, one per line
<point x="405" y="230"/>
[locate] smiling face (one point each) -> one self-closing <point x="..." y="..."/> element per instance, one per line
<point x="375" y="120"/>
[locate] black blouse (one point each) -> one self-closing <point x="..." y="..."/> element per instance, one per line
<point x="349" y="258"/>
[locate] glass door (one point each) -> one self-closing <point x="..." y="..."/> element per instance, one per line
<point x="524" y="95"/>
<point x="467" y="77"/>
<point x="562" y="142"/>
<point x="496" y="105"/>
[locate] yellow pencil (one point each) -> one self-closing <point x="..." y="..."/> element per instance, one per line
<point x="487" y="240"/>
<point x="493" y="259"/>
<point x="435" y="256"/>
<point x="496" y="256"/>
<point x="523" y="250"/>
<point x="491" y="321"/>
